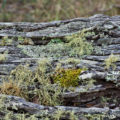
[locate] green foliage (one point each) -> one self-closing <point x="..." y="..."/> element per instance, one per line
<point x="78" y="44"/>
<point x="67" y="77"/>
<point x="47" y="10"/>
<point x="110" y="61"/>
<point x="55" y="40"/>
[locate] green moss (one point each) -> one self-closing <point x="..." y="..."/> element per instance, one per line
<point x="67" y="77"/>
<point x="55" y="40"/>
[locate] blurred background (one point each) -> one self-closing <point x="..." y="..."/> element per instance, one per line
<point x="49" y="10"/>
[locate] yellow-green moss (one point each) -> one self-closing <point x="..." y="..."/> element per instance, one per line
<point x="67" y="77"/>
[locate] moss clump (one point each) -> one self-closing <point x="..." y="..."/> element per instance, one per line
<point x="55" y="40"/>
<point x="67" y="77"/>
<point x="110" y="61"/>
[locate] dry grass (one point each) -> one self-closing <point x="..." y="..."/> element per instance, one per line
<point x="10" y="88"/>
<point x="47" y="10"/>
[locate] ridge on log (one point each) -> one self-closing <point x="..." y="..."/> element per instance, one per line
<point x="56" y="28"/>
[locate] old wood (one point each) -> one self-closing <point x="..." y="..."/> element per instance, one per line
<point x="106" y="41"/>
<point x="19" y="104"/>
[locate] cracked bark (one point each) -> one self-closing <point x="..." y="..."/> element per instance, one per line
<point x="106" y="41"/>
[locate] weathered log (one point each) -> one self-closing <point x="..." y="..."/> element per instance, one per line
<point x="103" y="46"/>
<point x="57" y="28"/>
<point x="52" y="29"/>
<point x="19" y="104"/>
<point x="106" y="41"/>
<point x="92" y="96"/>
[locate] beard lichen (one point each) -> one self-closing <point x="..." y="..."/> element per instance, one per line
<point x="78" y="43"/>
<point x="6" y="41"/>
<point x="75" y="45"/>
<point x="110" y="62"/>
<point x="34" y="86"/>
<point x="3" y="57"/>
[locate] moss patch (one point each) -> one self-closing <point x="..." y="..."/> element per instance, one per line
<point x="67" y="77"/>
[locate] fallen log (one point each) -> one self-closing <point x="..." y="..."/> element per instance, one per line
<point x="105" y="41"/>
<point x="19" y="104"/>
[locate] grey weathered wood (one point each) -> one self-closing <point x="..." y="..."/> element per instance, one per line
<point x="57" y="28"/>
<point x="103" y="47"/>
<point x="98" y="23"/>
<point x="17" y="103"/>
